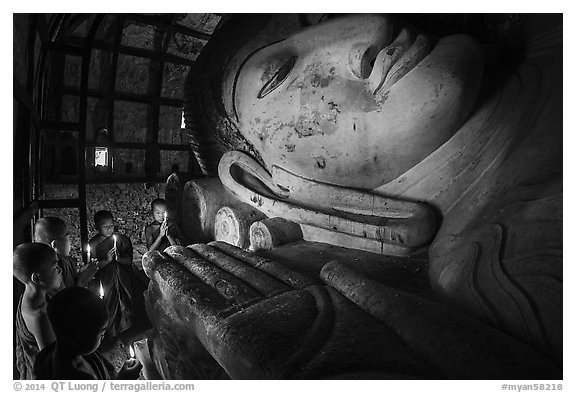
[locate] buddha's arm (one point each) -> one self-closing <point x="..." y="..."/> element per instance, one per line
<point x="455" y="343"/>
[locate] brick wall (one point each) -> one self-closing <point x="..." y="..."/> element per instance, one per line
<point x="128" y="202"/>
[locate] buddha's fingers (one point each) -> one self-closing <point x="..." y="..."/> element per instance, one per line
<point x="273" y="268"/>
<point x="460" y="347"/>
<point x="404" y="224"/>
<point x="227" y="285"/>
<point x="272" y="338"/>
<point x="257" y="279"/>
<point x="184" y="287"/>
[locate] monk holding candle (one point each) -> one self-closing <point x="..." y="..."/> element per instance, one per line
<point x="115" y="281"/>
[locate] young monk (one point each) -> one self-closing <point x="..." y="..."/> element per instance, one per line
<point x="122" y="289"/>
<point x="54" y="232"/>
<point x="79" y="319"/>
<point x="36" y="266"/>
<point x="159" y="233"/>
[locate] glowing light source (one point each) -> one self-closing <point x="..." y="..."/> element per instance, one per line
<point x="101" y="156"/>
<point x="101" y="291"/>
<point x="132" y="355"/>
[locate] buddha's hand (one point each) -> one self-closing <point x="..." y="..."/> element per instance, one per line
<point x="259" y="319"/>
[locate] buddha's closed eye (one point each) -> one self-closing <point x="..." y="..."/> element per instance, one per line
<point x="278" y="77"/>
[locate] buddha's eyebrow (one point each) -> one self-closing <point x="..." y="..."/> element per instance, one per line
<point x="238" y="74"/>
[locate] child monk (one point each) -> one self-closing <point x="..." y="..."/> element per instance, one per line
<point x="122" y="289"/>
<point x="161" y="234"/>
<point x="36" y="266"/>
<point x="53" y="232"/>
<point x="79" y="319"/>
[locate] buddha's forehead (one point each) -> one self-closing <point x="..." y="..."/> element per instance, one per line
<point x="283" y="36"/>
<point x="252" y="36"/>
<point x="343" y="30"/>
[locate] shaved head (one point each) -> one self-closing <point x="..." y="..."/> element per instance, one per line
<point x="77" y="310"/>
<point x="48" y="229"/>
<point x="31" y="258"/>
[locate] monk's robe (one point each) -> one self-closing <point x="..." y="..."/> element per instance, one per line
<point x="68" y="266"/>
<point x="123" y="291"/>
<point x="26" y="346"/>
<point x="44" y="365"/>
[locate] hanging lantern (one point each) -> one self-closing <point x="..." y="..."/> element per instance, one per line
<point x="102" y="157"/>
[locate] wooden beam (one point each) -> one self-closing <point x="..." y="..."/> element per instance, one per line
<point x="85" y="72"/>
<point x="59" y="125"/>
<point x="142" y="146"/>
<point x="66" y="48"/>
<point x="129" y="97"/>
<point x="150" y="20"/>
<point x="119" y="26"/>
<point x="140" y="52"/>
<point x="58" y="203"/>
<point x="42" y="27"/>
<point x="22" y="96"/>
<point x="75" y="42"/>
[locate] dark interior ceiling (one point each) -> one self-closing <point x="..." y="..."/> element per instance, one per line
<point x="88" y="82"/>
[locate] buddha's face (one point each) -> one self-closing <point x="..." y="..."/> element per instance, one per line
<point x="353" y="101"/>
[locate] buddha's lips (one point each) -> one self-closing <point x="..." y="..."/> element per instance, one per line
<point x="397" y="59"/>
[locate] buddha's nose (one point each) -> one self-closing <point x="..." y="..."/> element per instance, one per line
<point x="372" y="37"/>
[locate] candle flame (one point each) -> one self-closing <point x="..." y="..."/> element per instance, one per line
<point x="101" y="291"/>
<point x="165" y="215"/>
<point x="88" y="248"/>
<point x="131" y="351"/>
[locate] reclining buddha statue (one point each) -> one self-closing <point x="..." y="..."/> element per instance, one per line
<point x="423" y="173"/>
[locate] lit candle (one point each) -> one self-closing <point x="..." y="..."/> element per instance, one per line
<point x="114" y="237"/>
<point x="165" y="216"/>
<point x="101" y="291"/>
<point x="88" y="256"/>
<point x="132" y="352"/>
